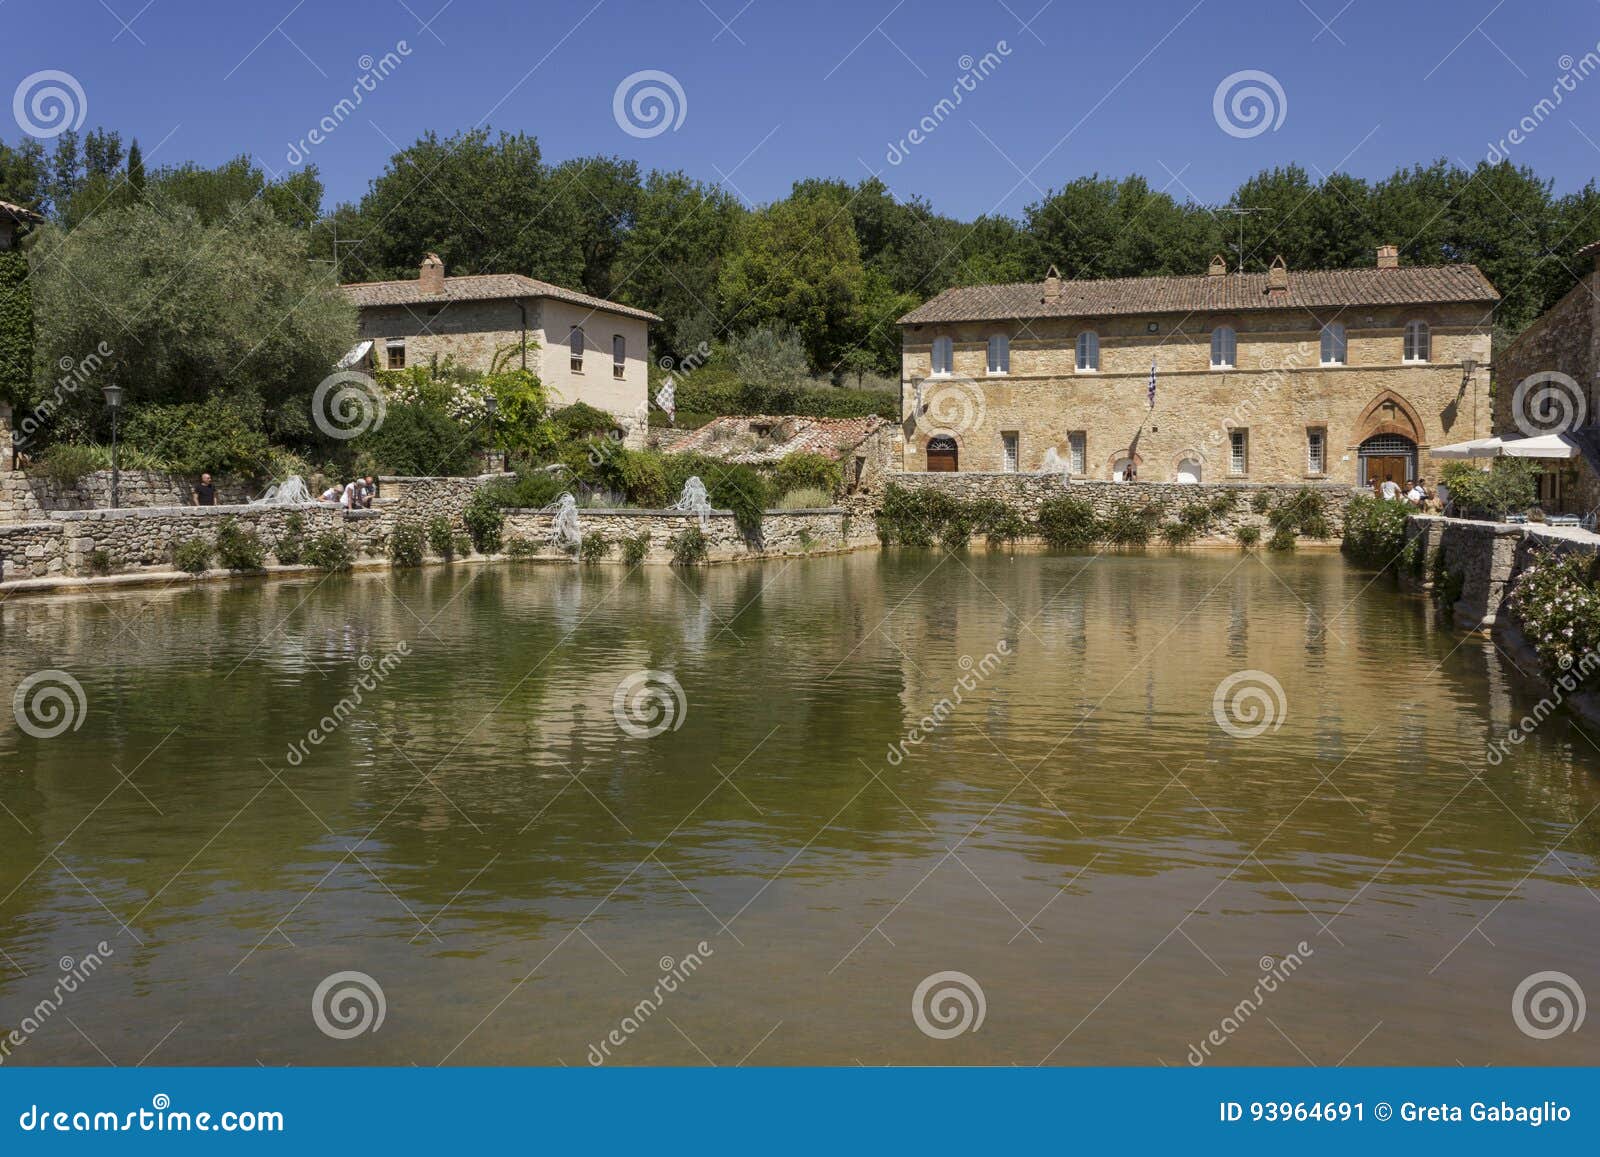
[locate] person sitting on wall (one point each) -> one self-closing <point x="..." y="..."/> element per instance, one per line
<point x="367" y="492"/>
<point x="205" y="494"/>
<point x="331" y="494"/>
<point x="349" y="498"/>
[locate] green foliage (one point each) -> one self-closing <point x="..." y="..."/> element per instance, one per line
<point x="16" y="329"/>
<point x="441" y="536"/>
<point x="635" y="547"/>
<point x="1261" y="501"/>
<point x="805" y="498"/>
<point x="1129" y="525"/>
<point x="1447" y="584"/>
<point x="998" y="522"/>
<point x="238" y="548"/>
<point x="1248" y="536"/>
<point x="329" y="550"/>
<point x="810" y="471"/>
<point x="712" y="391"/>
<point x="221" y="435"/>
<point x="461" y="545"/>
<point x="1068" y="523"/>
<point x="406" y="545"/>
<point x="770" y="356"/>
<point x="192" y="555"/>
<point x="915" y="517"/>
<point x="289" y="547"/>
<point x="1179" y="533"/>
<point x="1556" y="603"/>
<point x="1375" y="531"/>
<point x="689" y="547"/>
<point x="484" y="521"/>
<point x="526" y="490"/>
<point x="1510" y="485"/>
<point x="67" y="463"/>
<point x="1283" y="539"/>
<point x="1304" y="512"/>
<point x="519" y="547"/>
<point x="594" y="547"/>
<point x="99" y="562"/>
<point x="581" y="421"/>
<point x="733" y="486"/>
<point x="415" y="440"/>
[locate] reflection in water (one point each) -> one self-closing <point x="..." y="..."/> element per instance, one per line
<point x="1080" y="836"/>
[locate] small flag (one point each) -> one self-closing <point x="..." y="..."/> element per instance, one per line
<point x="1152" y="389"/>
<point x="666" y="398"/>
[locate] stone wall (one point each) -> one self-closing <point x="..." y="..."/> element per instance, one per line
<point x="1487" y="556"/>
<point x="783" y="532"/>
<point x="1025" y="492"/>
<point x="25" y="496"/>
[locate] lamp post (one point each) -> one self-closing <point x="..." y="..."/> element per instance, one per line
<point x="114" y="404"/>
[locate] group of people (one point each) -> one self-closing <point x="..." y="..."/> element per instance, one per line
<point x="1413" y="493"/>
<point x="355" y="495"/>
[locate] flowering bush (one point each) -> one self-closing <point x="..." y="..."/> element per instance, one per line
<point x="1556" y="602"/>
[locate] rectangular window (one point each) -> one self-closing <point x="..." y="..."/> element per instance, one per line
<point x="999" y="354"/>
<point x="1009" y="441"/>
<point x="1238" y="451"/>
<point x="1316" y="452"/>
<point x="395" y="348"/>
<point x="943" y="356"/>
<point x="1076" y="443"/>
<point x="575" y="349"/>
<point x="619" y="356"/>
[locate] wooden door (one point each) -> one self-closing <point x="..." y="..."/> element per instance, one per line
<point x="942" y="455"/>
<point x="1391" y="468"/>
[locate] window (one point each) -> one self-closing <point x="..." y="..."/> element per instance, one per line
<point x="1075" y="451"/>
<point x="619" y="356"/>
<point x="999" y="354"/>
<point x="1088" y="351"/>
<point x="1224" y="346"/>
<point x="1238" y="451"/>
<point x="944" y="352"/>
<point x="1418" y="343"/>
<point x="1335" y="347"/>
<point x="395" y="348"/>
<point x="1009" y="442"/>
<point x="1316" y="451"/>
<point x="575" y="346"/>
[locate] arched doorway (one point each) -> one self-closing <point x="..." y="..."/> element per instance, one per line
<point x="943" y="455"/>
<point x="1387" y="458"/>
<point x="1188" y="471"/>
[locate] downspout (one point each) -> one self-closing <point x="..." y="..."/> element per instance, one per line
<point x="522" y="307"/>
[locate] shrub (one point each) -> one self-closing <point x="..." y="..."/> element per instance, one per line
<point x="1283" y="539"/>
<point x="594" y="547"/>
<point x="530" y="490"/>
<point x="67" y="463"/>
<point x="519" y="547"/>
<point x="1303" y="512"/>
<point x="913" y="517"/>
<point x="99" y="562"/>
<point x="405" y="545"/>
<point x="1556" y="603"/>
<point x="289" y="546"/>
<point x="635" y="547"/>
<point x="461" y="545"/>
<point x="418" y="440"/>
<point x="689" y="547"/>
<point x="1512" y="484"/>
<point x="808" y="471"/>
<point x="329" y="550"/>
<point x="1128" y="525"/>
<point x="732" y="486"/>
<point x="639" y="475"/>
<point x="238" y="548"/>
<point x="1179" y="533"/>
<point x="223" y="435"/>
<point x="1375" y="531"/>
<point x="16" y="333"/>
<point x="1447" y="584"/>
<point x="192" y="555"/>
<point x="484" y="521"/>
<point x="1196" y="516"/>
<point x="1067" y="522"/>
<point x="1248" y="536"/>
<point x="441" y="536"/>
<point x="805" y="498"/>
<point x="1223" y="502"/>
<point x="581" y="421"/>
<point x="1261" y="501"/>
<point x="997" y="521"/>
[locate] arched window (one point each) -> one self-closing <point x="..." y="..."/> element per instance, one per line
<point x="1088" y="351"/>
<point x="943" y="454"/>
<point x="944" y="351"/>
<point x="575" y="349"/>
<point x="1419" y="343"/>
<point x="999" y="354"/>
<point x="1224" y="344"/>
<point x="1189" y="471"/>
<point x="1335" y="346"/>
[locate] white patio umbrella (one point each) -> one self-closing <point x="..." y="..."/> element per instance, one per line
<point x="1542" y="446"/>
<point x="1473" y="448"/>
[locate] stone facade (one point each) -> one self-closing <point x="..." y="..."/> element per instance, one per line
<point x="25" y="496"/>
<point x="1277" y="392"/>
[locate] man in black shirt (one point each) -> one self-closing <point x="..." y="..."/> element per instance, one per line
<point x="205" y="494"/>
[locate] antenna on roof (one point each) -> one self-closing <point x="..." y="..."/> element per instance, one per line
<point x="1241" y="212"/>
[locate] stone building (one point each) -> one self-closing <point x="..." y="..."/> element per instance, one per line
<point x="864" y="447"/>
<point x="583" y="348"/>
<point x="1549" y="378"/>
<point x="1345" y="375"/>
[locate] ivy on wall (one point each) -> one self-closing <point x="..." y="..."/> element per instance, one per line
<point x="16" y="329"/>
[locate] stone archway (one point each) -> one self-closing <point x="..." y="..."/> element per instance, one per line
<point x="1189" y="467"/>
<point x="1389" y="413"/>
<point x="1120" y="461"/>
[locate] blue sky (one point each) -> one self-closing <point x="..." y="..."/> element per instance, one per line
<point x="773" y="91"/>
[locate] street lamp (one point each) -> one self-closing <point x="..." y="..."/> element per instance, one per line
<point x="114" y="404"/>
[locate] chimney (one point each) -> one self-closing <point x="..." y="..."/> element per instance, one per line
<point x="1388" y="257"/>
<point x="1278" y="276"/>
<point x="430" y="277"/>
<point x="1219" y="267"/>
<point x="1052" y="284"/>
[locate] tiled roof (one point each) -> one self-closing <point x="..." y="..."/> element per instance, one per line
<point x="1231" y="292"/>
<point x="17" y="212"/>
<point x="769" y="437"/>
<point x="479" y="287"/>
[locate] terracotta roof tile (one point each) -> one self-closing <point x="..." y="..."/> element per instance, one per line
<point x="19" y="213"/>
<point x="1234" y="292"/>
<point x="479" y="287"/>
